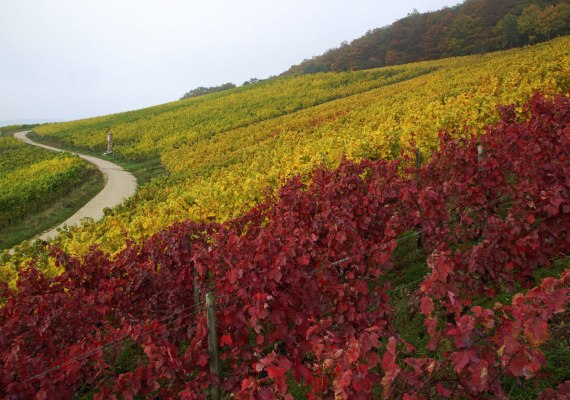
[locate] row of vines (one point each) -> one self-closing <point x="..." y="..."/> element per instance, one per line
<point x="304" y="308"/>
<point x="31" y="178"/>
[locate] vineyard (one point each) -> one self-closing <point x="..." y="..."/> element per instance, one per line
<point x="147" y="133"/>
<point x="316" y="297"/>
<point x="32" y="178"/>
<point x="222" y="151"/>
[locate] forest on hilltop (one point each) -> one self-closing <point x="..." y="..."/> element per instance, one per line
<point x="474" y="26"/>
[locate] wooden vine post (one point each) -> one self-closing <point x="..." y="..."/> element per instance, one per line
<point x="196" y="290"/>
<point x="195" y="281"/>
<point x="419" y="242"/>
<point x="213" y="346"/>
<point x="418" y="163"/>
<point x="479" y="161"/>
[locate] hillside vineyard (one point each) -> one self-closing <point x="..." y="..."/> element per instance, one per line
<point x="223" y="150"/>
<point x="306" y="286"/>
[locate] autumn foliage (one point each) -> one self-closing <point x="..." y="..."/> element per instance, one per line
<point x="222" y="150"/>
<point x="471" y="27"/>
<point x="297" y="282"/>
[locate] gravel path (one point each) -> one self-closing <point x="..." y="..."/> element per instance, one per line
<point x="119" y="185"/>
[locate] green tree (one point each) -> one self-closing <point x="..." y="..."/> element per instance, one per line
<point x="200" y="91"/>
<point x="528" y="23"/>
<point x="509" y="29"/>
<point x="462" y="36"/>
<point x="313" y="67"/>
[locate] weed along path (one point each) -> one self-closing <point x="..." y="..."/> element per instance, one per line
<point x="119" y="185"/>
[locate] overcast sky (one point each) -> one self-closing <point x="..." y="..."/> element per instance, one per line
<point x="69" y="59"/>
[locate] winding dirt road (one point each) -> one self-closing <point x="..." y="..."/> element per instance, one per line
<point x="119" y="185"/>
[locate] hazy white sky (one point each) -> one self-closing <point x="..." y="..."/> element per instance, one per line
<point x="68" y="59"/>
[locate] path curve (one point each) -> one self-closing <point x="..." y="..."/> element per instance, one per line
<point x="119" y="185"/>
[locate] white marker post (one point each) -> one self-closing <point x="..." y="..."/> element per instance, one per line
<point x="109" y="142"/>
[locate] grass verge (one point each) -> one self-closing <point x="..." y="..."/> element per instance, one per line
<point x="55" y="213"/>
